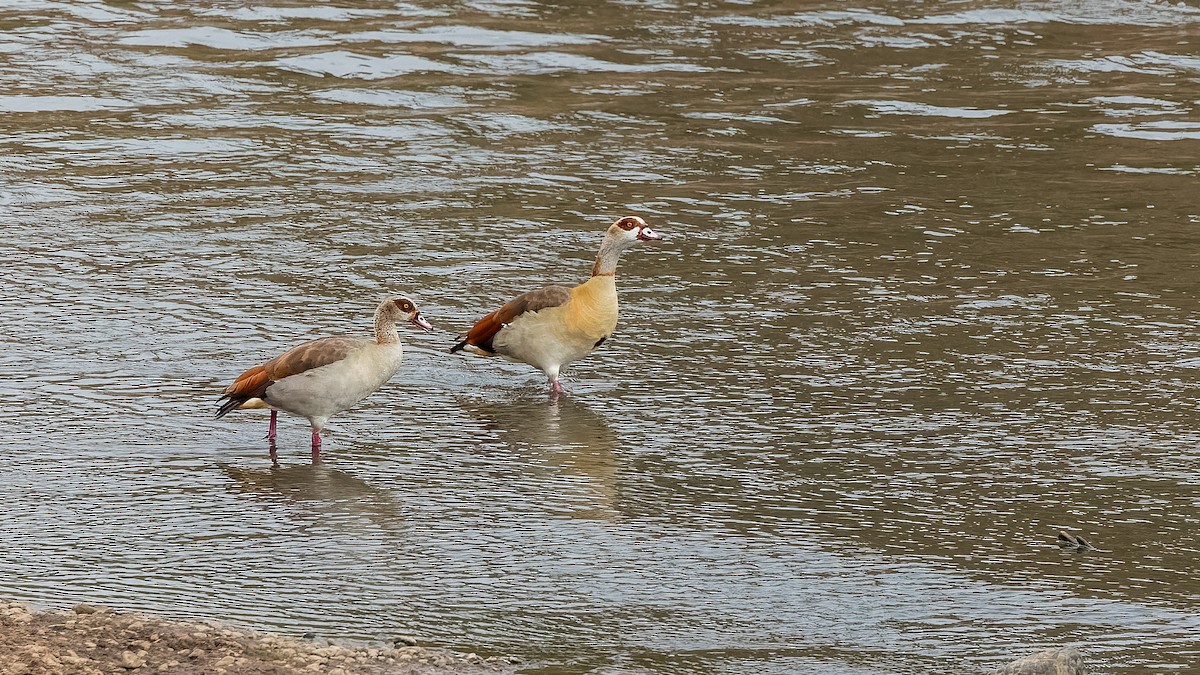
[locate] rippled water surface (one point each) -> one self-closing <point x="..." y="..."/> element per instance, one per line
<point x="929" y="295"/>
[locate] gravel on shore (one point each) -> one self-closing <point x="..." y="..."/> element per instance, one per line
<point x="92" y="640"/>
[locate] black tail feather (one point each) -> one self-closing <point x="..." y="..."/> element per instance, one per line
<point x="484" y="349"/>
<point x="231" y="404"/>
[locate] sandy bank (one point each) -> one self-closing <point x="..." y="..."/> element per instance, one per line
<point x="97" y="641"/>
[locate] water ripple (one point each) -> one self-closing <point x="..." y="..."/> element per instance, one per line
<point x="922" y="304"/>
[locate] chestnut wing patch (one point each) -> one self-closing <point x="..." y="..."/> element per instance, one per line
<point x="485" y="330"/>
<point x="313" y="354"/>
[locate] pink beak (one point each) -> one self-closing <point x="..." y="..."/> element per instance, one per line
<point x="421" y="323"/>
<point x="647" y="234"/>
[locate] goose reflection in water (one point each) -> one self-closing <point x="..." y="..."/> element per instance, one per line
<point x="565" y="435"/>
<point x="319" y="488"/>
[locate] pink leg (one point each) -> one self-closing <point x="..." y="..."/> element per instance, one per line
<point x="271" y="429"/>
<point x="316" y="446"/>
<point x="556" y="389"/>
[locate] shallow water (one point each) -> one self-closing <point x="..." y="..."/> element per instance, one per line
<point x="929" y="295"/>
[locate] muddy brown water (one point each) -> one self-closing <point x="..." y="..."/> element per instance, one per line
<point x="929" y="295"/>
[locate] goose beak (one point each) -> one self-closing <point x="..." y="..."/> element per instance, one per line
<point x="421" y="323"/>
<point x="647" y="234"/>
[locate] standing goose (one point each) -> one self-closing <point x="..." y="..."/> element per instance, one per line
<point x="553" y="326"/>
<point x="323" y="377"/>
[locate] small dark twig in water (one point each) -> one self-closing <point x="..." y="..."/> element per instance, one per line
<point x="1072" y="541"/>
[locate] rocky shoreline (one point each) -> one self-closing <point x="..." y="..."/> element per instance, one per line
<point x="90" y="640"/>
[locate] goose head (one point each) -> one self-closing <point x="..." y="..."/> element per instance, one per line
<point x="629" y="230"/>
<point x="407" y="310"/>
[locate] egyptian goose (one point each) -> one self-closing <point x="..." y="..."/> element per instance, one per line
<point x="323" y="377"/>
<point x="553" y="326"/>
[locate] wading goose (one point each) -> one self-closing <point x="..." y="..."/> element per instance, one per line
<point x="323" y="377"/>
<point x="550" y="327"/>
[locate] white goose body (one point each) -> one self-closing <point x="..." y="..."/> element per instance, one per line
<point x="324" y="391"/>
<point x="554" y="337"/>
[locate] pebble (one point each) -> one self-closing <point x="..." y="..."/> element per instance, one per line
<point x="130" y="660"/>
<point x="18" y="615"/>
